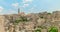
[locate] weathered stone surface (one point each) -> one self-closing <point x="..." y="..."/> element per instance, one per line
<point x="2" y="24"/>
<point x="43" y="30"/>
<point x="43" y="20"/>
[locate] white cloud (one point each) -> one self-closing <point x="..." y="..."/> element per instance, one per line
<point x="15" y="4"/>
<point x="25" y="1"/>
<point x="25" y="5"/>
<point x="28" y="0"/>
<point x="1" y="8"/>
<point x="11" y="12"/>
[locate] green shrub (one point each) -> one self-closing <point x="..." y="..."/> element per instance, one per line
<point x="38" y="30"/>
<point x="53" y="29"/>
<point x="20" y="19"/>
<point x="49" y="13"/>
<point x="41" y="17"/>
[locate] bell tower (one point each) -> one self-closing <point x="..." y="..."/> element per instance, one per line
<point x="18" y="10"/>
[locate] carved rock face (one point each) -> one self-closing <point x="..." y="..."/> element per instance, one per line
<point x="2" y="24"/>
<point x="29" y="26"/>
<point x="40" y="21"/>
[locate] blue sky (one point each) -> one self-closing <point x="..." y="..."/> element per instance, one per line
<point x="28" y="6"/>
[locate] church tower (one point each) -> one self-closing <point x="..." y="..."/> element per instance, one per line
<point x="20" y="13"/>
<point x="18" y="10"/>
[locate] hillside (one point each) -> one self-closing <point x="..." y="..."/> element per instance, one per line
<point x="30" y="22"/>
